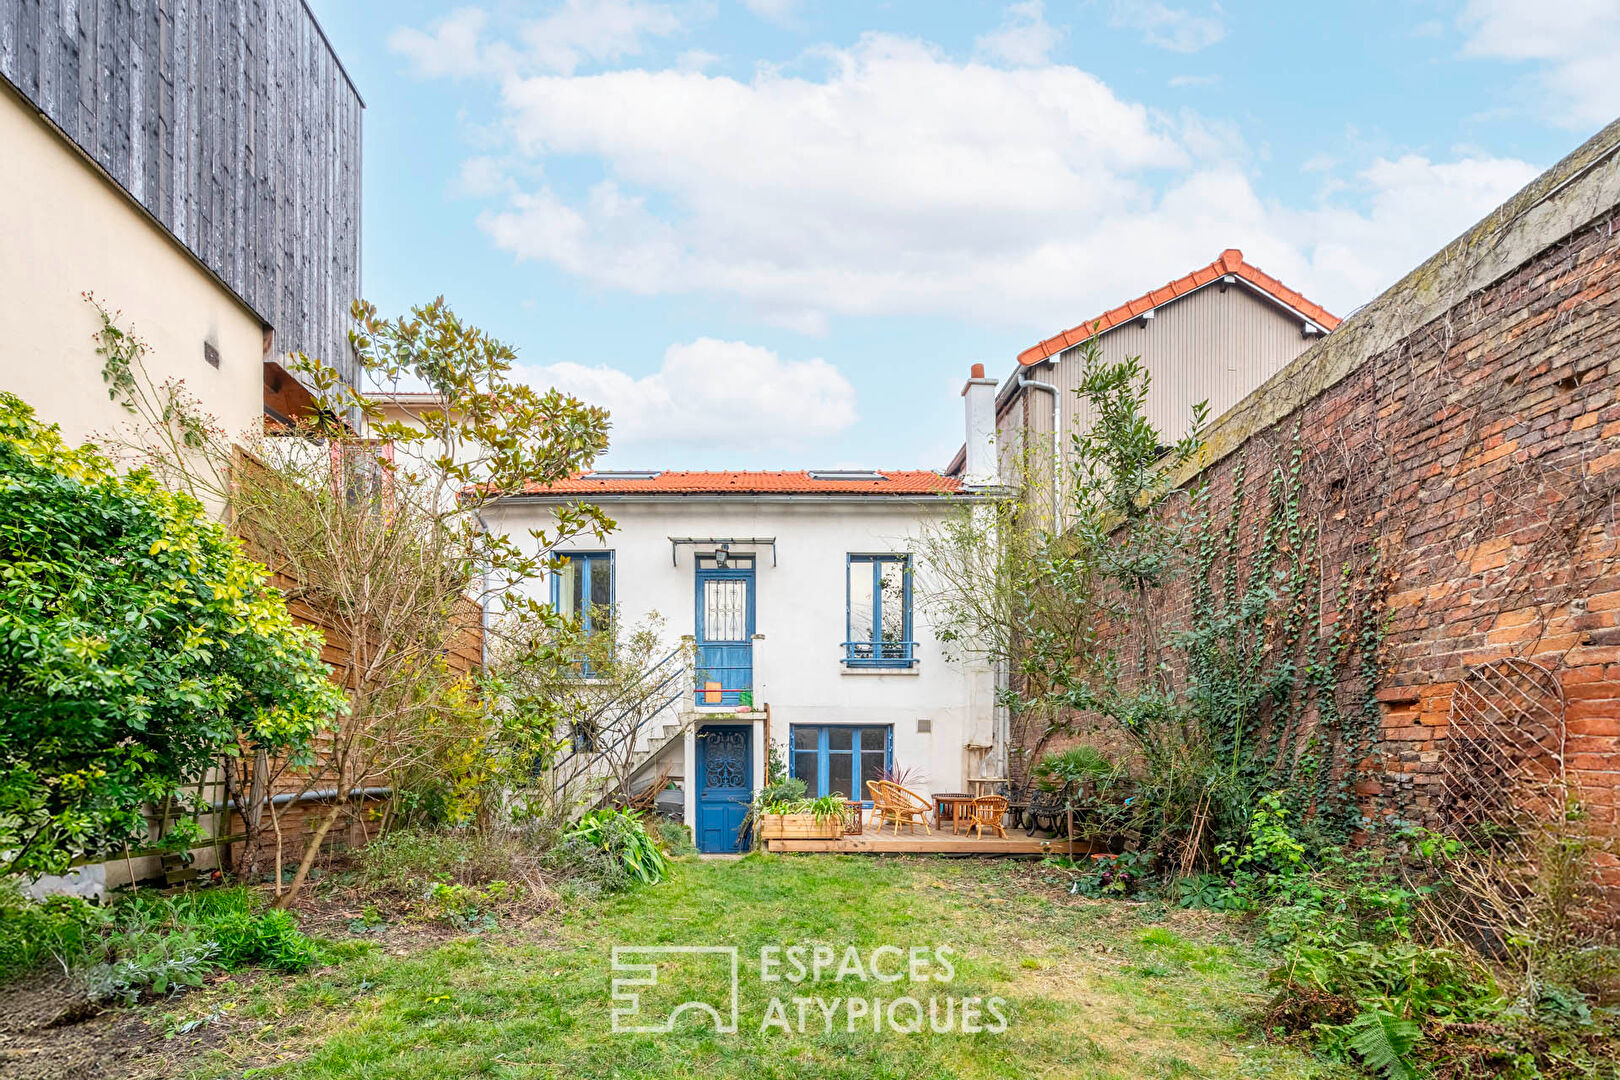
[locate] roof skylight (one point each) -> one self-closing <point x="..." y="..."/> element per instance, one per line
<point x="845" y="474"/>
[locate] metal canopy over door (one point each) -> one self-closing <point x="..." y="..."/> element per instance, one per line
<point x="725" y="629"/>
<point x="725" y="769"/>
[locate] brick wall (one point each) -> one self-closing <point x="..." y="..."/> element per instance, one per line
<point x="1465" y="430"/>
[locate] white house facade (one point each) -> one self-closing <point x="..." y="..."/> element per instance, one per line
<point x="792" y="590"/>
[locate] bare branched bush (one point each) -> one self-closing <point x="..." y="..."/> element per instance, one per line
<point x="367" y="508"/>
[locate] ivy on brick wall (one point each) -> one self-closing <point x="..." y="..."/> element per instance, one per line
<point x="1280" y="675"/>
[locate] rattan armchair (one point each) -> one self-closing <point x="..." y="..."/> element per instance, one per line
<point x="988" y="810"/>
<point x="894" y="803"/>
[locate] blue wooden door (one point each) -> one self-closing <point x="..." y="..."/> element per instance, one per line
<point x="725" y="631"/>
<point x="725" y="769"/>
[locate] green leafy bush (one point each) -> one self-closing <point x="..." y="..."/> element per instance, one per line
<point x="1362" y="975"/>
<point x="143" y="944"/>
<point x="620" y="836"/>
<point x="61" y="928"/>
<point x="137" y="645"/>
<point x="1071" y="768"/>
<point x="469" y="910"/>
<point x="158" y="965"/>
<point x="676" y="837"/>
<point x="787" y="790"/>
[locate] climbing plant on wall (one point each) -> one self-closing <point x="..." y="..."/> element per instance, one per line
<point x="1270" y="656"/>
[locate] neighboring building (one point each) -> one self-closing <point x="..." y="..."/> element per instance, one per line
<point x="197" y="168"/>
<point x="794" y="590"/>
<point x="1213" y="335"/>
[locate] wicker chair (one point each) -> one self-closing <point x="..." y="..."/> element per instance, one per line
<point x="988" y="810"/>
<point x="891" y="802"/>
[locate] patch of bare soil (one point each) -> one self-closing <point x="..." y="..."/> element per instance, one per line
<point x="49" y="1031"/>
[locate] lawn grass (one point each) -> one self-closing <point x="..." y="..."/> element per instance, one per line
<point x="1092" y="989"/>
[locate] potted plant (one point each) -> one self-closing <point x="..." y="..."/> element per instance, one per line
<point x="745" y="701"/>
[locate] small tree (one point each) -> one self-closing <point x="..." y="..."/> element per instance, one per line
<point x="1009" y="585"/>
<point x="1000" y="587"/>
<point x="137" y="645"/>
<point x="380" y="540"/>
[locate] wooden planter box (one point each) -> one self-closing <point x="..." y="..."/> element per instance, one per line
<point x="800" y="827"/>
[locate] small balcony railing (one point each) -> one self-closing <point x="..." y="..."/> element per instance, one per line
<point x="880" y="653"/>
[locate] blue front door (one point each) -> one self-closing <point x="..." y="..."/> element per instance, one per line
<point x="725" y="769"/>
<point x="725" y="630"/>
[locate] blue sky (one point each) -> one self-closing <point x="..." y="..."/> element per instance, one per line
<point x="776" y="233"/>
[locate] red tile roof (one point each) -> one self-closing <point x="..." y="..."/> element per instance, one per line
<point x="1230" y="262"/>
<point x="916" y="482"/>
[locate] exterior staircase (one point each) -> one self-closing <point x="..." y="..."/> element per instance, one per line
<point x="631" y="728"/>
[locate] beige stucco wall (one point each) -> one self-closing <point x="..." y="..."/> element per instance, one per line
<point x="66" y="229"/>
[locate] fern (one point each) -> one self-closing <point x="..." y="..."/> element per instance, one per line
<point x="1384" y="1041"/>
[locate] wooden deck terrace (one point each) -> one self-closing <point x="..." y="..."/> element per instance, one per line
<point x="872" y="842"/>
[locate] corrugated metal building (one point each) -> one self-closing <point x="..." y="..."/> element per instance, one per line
<point x="1211" y="336"/>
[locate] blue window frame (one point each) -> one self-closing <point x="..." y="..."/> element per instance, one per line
<point x="839" y="759"/>
<point x="877" y="612"/>
<point x="582" y="586"/>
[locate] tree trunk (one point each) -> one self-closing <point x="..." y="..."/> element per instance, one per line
<point x="312" y="848"/>
<point x="250" y="806"/>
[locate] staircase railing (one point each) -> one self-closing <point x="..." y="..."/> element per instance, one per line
<point x="655" y="691"/>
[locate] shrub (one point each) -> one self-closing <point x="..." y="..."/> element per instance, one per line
<point x="1361" y="976"/>
<point x="151" y="944"/>
<point x="137" y="645"/>
<point x="621" y="837"/>
<point x="158" y="965"/>
<point x="61" y="928"/>
<point x="404" y="862"/>
<point x="676" y="837"/>
<point x="578" y="859"/>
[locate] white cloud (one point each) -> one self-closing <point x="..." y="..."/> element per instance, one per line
<point x="481" y="177"/>
<point x="1414" y="205"/>
<point x="1576" y="42"/>
<point x="713" y="393"/>
<point x="903" y="181"/>
<point x="696" y="59"/>
<point x="1179" y="81"/>
<point x="776" y="11"/>
<point x="568" y="36"/>
<point x="1176" y="29"/>
<point x="450" y="48"/>
<point x="890" y="178"/>
<point x="1024" y="39"/>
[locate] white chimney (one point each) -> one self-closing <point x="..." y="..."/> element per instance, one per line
<point x="980" y="467"/>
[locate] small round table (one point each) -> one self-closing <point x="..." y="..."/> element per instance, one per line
<point x="952" y="806"/>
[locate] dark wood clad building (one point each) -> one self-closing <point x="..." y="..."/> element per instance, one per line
<point x="232" y="123"/>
